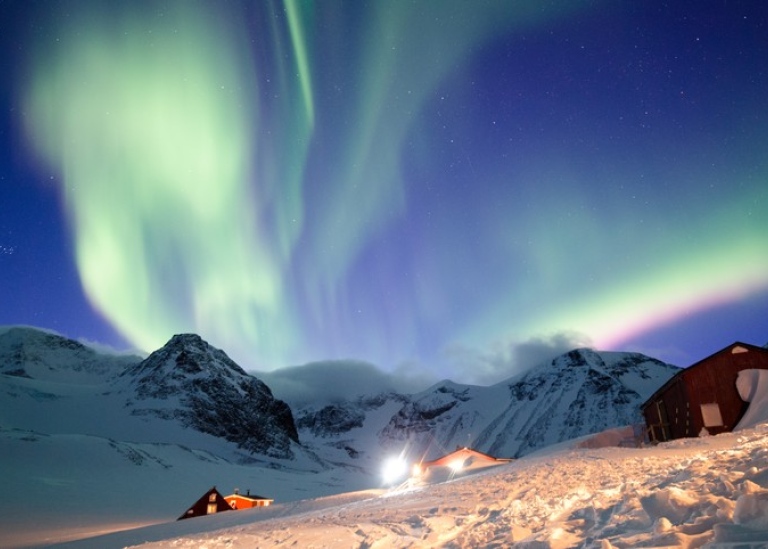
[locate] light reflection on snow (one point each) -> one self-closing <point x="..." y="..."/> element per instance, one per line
<point x="394" y="470"/>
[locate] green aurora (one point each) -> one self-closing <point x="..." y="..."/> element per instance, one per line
<point x="296" y="181"/>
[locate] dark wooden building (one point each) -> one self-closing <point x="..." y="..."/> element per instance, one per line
<point x="210" y="503"/>
<point x="703" y="398"/>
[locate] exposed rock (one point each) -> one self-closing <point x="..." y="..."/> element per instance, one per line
<point x="199" y="385"/>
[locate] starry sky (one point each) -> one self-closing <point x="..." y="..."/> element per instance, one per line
<point x="446" y="187"/>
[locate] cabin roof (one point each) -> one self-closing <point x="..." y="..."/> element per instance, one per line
<point x="197" y="508"/>
<point x="253" y="497"/>
<point x="462" y="452"/>
<point x="703" y="361"/>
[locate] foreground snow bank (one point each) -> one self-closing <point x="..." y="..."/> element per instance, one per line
<point x="708" y="492"/>
<point x="753" y="388"/>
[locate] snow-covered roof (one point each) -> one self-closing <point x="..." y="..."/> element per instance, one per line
<point x="252" y="497"/>
<point x="462" y="454"/>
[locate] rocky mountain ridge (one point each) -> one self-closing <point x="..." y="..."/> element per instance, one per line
<point x="575" y="394"/>
<point x="38" y="354"/>
<point x="193" y="385"/>
<point x="201" y="387"/>
<point x="186" y="387"/>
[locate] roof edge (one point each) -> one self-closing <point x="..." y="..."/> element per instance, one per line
<point x="682" y="371"/>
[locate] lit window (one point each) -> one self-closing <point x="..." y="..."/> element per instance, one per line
<point x="211" y="508"/>
<point x="711" y="415"/>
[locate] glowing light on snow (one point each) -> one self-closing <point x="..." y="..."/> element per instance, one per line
<point x="394" y="469"/>
<point x="456" y="465"/>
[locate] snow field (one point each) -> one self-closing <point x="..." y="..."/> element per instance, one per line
<point x="710" y="493"/>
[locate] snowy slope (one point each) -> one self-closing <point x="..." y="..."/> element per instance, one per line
<point x="80" y="429"/>
<point x="67" y="486"/>
<point x="185" y="393"/>
<point x="346" y="432"/>
<point x="575" y="394"/>
<point x="138" y="440"/>
<point x="710" y="492"/>
<point x="190" y="382"/>
<point x="38" y="354"/>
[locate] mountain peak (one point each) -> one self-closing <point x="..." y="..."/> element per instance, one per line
<point x="580" y="392"/>
<point x="583" y="356"/>
<point x="190" y="380"/>
<point x="184" y="355"/>
<point x="187" y="339"/>
<point x="45" y="355"/>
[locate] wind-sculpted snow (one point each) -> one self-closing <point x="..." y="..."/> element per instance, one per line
<point x="203" y="388"/>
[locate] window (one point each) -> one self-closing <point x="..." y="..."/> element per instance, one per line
<point x="711" y="415"/>
<point x="212" y="506"/>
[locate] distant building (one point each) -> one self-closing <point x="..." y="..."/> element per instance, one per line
<point x="210" y="503"/>
<point x="247" y="501"/>
<point x="703" y="398"/>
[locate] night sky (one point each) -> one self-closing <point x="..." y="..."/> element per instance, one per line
<point x="448" y="187"/>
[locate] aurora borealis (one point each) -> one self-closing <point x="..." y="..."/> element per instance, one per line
<point x="431" y="185"/>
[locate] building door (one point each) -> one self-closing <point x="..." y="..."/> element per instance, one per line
<point x="663" y="427"/>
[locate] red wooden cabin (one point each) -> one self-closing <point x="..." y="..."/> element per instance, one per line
<point x="210" y="503"/>
<point x="247" y="500"/>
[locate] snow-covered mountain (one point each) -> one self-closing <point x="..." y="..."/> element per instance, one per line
<point x="347" y="432"/>
<point x="191" y="393"/>
<point x="42" y="355"/>
<point x="189" y="381"/>
<point x="578" y="393"/>
<point x="95" y="426"/>
<point x="186" y="393"/>
<point x="187" y="417"/>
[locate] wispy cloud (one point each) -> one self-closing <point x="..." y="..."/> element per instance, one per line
<point x="486" y="367"/>
<point x="337" y="380"/>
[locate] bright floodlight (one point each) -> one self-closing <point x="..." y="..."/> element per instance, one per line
<point x="394" y="469"/>
<point x="456" y="465"/>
